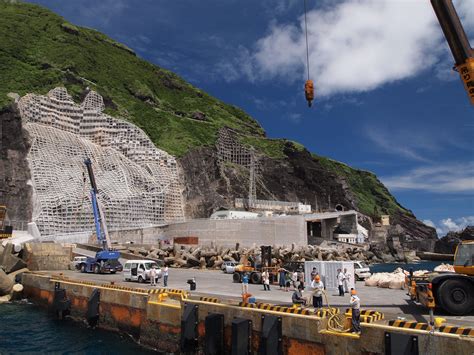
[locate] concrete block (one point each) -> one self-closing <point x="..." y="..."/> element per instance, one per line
<point x="46" y="256"/>
<point x="5" y="284"/>
<point x="11" y="263"/>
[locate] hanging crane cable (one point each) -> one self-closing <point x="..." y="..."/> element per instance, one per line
<point x="308" y="86"/>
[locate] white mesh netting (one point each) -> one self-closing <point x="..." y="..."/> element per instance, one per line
<point x="138" y="183"/>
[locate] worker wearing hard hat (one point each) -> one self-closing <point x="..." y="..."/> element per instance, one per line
<point x="318" y="288"/>
<point x="355" y="306"/>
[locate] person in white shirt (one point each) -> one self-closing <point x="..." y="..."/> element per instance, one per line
<point x="318" y="288"/>
<point x="355" y="305"/>
<point x="153" y="276"/>
<point x="347" y="280"/>
<point x="165" y="276"/>
<point x="340" y="282"/>
<point x="294" y="279"/>
<point x="266" y="280"/>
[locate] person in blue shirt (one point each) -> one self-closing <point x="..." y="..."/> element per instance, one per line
<point x="245" y="283"/>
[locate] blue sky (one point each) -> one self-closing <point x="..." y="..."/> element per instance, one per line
<point x="387" y="100"/>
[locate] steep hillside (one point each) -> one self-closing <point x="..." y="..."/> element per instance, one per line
<point x="40" y="50"/>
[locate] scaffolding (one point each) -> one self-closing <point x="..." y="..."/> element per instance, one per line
<point x="138" y="183"/>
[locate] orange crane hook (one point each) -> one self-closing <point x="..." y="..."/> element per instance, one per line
<point x="309" y="91"/>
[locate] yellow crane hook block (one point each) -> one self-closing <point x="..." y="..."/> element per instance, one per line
<point x="309" y="91"/>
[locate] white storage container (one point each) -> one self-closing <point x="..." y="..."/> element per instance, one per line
<point x="328" y="273"/>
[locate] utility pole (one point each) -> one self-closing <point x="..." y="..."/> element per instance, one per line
<point x="252" y="182"/>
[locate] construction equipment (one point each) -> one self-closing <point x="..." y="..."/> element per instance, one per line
<point x="458" y="43"/>
<point x="5" y="231"/>
<point x="106" y="260"/>
<point x="255" y="269"/>
<point x="452" y="292"/>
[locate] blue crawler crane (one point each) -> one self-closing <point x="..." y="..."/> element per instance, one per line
<point x="106" y="260"/>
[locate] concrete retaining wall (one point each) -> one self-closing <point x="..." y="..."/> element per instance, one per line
<point x="268" y="231"/>
<point x="158" y="324"/>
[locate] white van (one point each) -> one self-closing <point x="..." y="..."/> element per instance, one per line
<point x="139" y="270"/>
<point x="361" y="271"/>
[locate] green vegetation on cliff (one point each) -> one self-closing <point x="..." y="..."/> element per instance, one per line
<point x="373" y="198"/>
<point x="40" y="50"/>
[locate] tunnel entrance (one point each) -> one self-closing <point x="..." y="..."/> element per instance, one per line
<point x="314" y="231"/>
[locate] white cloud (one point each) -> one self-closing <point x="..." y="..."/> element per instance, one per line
<point x="450" y="225"/>
<point x="357" y="45"/>
<point x="448" y="178"/>
<point x="407" y="144"/>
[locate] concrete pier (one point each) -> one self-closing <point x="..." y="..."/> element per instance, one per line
<point x="156" y="321"/>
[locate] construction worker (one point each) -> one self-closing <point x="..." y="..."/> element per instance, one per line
<point x="297" y="297"/>
<point x="347" y="279"/>
<point x="245" y="283"/>
<point x="153" y="276"/>
<point x="318" y="288"/>
<point x="340" y="282"/>
<point x="355" y="306"/>
<point x="266" y="280"/>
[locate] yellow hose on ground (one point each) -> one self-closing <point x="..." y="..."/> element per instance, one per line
<point x="335" y="321"/>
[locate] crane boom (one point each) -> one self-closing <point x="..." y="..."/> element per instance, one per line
<point x="458" y="42"/>
<point x="99" y="217"/>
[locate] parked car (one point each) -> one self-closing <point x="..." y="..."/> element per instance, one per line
<point x="76" y="262"/>
<point x="361" y="271"/>
<point x="229" y="266"/>
<point x="139" y="270"/>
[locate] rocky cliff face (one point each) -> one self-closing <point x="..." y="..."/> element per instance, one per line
<point x="209" y="185"/>
<point x="447" y="244"/>
<point x="15" y="189"/>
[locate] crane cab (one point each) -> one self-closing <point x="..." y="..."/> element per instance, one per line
<point x="464" y="258"/>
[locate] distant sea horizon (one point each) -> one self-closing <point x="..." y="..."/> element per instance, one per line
<point x="422" y="265"/>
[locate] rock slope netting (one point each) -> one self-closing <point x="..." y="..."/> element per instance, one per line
<point x="138" y="183"/>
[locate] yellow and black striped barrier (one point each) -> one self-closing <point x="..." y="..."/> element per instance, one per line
<point x="456" y="330"/>
<point x="171" y="291"/>
<point x="409" y="325"/>
<point x="326" y="312"/>
<point x="281" y="309"/>
<point x="124" y="288"/>
<point x="209" y="299"/>
<point x="366" y="315"/>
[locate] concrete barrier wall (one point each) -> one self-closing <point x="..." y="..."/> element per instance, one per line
<point x="227" y="232"/>
<point x="158" y="324"/>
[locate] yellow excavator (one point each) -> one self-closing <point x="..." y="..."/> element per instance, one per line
<point x="452" y="292"/>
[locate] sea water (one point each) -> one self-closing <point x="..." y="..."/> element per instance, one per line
<point x="30" y="329"/>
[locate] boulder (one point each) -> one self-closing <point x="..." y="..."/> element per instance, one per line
<point x="5" y="283"/>
<point x="388" y="258"/>
<point x="16" y="275"/>
<point x="5" y="299"/>
<point x="12" y="263"/>
<point x="17" y="292"/>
